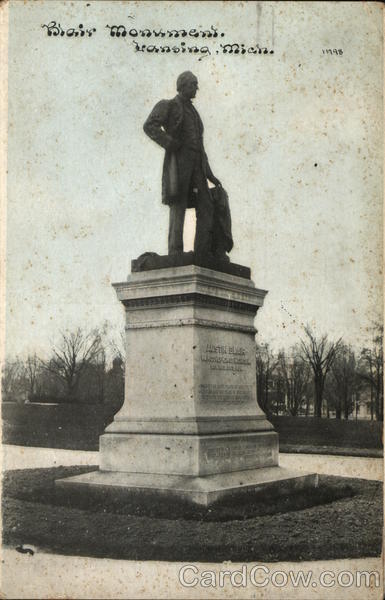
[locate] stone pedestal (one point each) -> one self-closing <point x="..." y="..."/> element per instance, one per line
<point x="190" y="425"/>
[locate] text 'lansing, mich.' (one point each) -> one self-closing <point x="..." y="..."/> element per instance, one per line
<point x="201" y="42"/>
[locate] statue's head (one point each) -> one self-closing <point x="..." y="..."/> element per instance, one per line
<point x="187" y="84"/>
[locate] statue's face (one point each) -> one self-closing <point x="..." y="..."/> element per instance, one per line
<point x="190" y="88"/>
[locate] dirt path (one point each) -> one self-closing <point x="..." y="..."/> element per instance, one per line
<point x="36" y="576"/>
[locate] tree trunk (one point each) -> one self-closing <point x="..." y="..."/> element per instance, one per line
<point x="379" y="407"/>
<point x="72" y="390"/>
<point x="260" y="392"/>
<point x="371" y="403"/>
<point x="318" y="388"/>
<point x="346" y="407"/>
<point x="267" y="393"/>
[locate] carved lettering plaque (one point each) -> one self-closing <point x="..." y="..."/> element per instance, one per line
<point x="224" y="392"/>
<point x="225" y="358"/>
<point x="249" y="453"/>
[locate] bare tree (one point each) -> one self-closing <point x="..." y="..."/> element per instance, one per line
<point x="320" y="353"/>
<point x="295" y="372"/>
<point x="344" y="371"/>
<point x="372" y="371"/>
<point x="91" y="388"/>
<point x="33" y="367"/>
<point x="266" y="364"/>
<point x="71" y="357"/>
<point x="13" y="381"/>
<point x="117" y="346"/>
<point x="114" y="389"/>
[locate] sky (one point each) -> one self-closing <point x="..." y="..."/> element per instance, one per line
<point x="295" y="138"/>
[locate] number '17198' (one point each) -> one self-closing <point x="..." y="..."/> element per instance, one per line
<point x="332" y="51"/>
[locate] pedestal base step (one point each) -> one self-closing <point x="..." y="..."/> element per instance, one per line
<point x="188" y="455"/>
<point x="197" y="490"/>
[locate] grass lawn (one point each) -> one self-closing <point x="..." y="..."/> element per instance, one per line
<point x="341" y="437"/>
<point x="78" y="427"/>
<point x="342" y="518"/>
<point x="330" y="450"/>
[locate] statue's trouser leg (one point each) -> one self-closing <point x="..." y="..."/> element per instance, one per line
<point x="204" y="215"/>
<point x="175" y="231"/>
<point x="186" y="165"/>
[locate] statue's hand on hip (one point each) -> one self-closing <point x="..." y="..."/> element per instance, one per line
<point x="215" y="181"/>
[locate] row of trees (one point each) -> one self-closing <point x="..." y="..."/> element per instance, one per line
<point x="78" y="370"/>
<point x="318" y="376"/>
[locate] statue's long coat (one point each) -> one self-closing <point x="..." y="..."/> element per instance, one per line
<point x="164" y="126"/>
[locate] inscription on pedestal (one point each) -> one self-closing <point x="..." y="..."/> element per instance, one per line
<point x="248" y="453"/>
<point x="225" y="358"/>
<point x="224" y="392"/>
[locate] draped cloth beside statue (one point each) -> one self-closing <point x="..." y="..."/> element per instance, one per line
<point x="222" y="239"/>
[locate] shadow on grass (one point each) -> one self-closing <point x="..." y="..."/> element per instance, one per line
<point x="339" y="519"/>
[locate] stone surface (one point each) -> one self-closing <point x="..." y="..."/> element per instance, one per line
<point x="198" y="490"/>
<point x="190" y="353"/>
<point x="191" y="407"/>
<point x="150" y="261"/>
<point x="188" y="454"/>
<point x="190" y="425"/>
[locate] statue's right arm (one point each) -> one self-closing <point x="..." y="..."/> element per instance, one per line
<point x="154" y="125"/>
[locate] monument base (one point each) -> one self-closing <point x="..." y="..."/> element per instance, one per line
<point x="190" y="427"/>
<point x="203" y="491"/>
<point x="188" y="455"/>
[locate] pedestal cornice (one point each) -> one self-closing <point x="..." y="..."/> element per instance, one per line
<point x="186" y="284"/>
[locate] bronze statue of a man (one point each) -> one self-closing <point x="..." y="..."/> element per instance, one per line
<point x="177" y="127"/>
